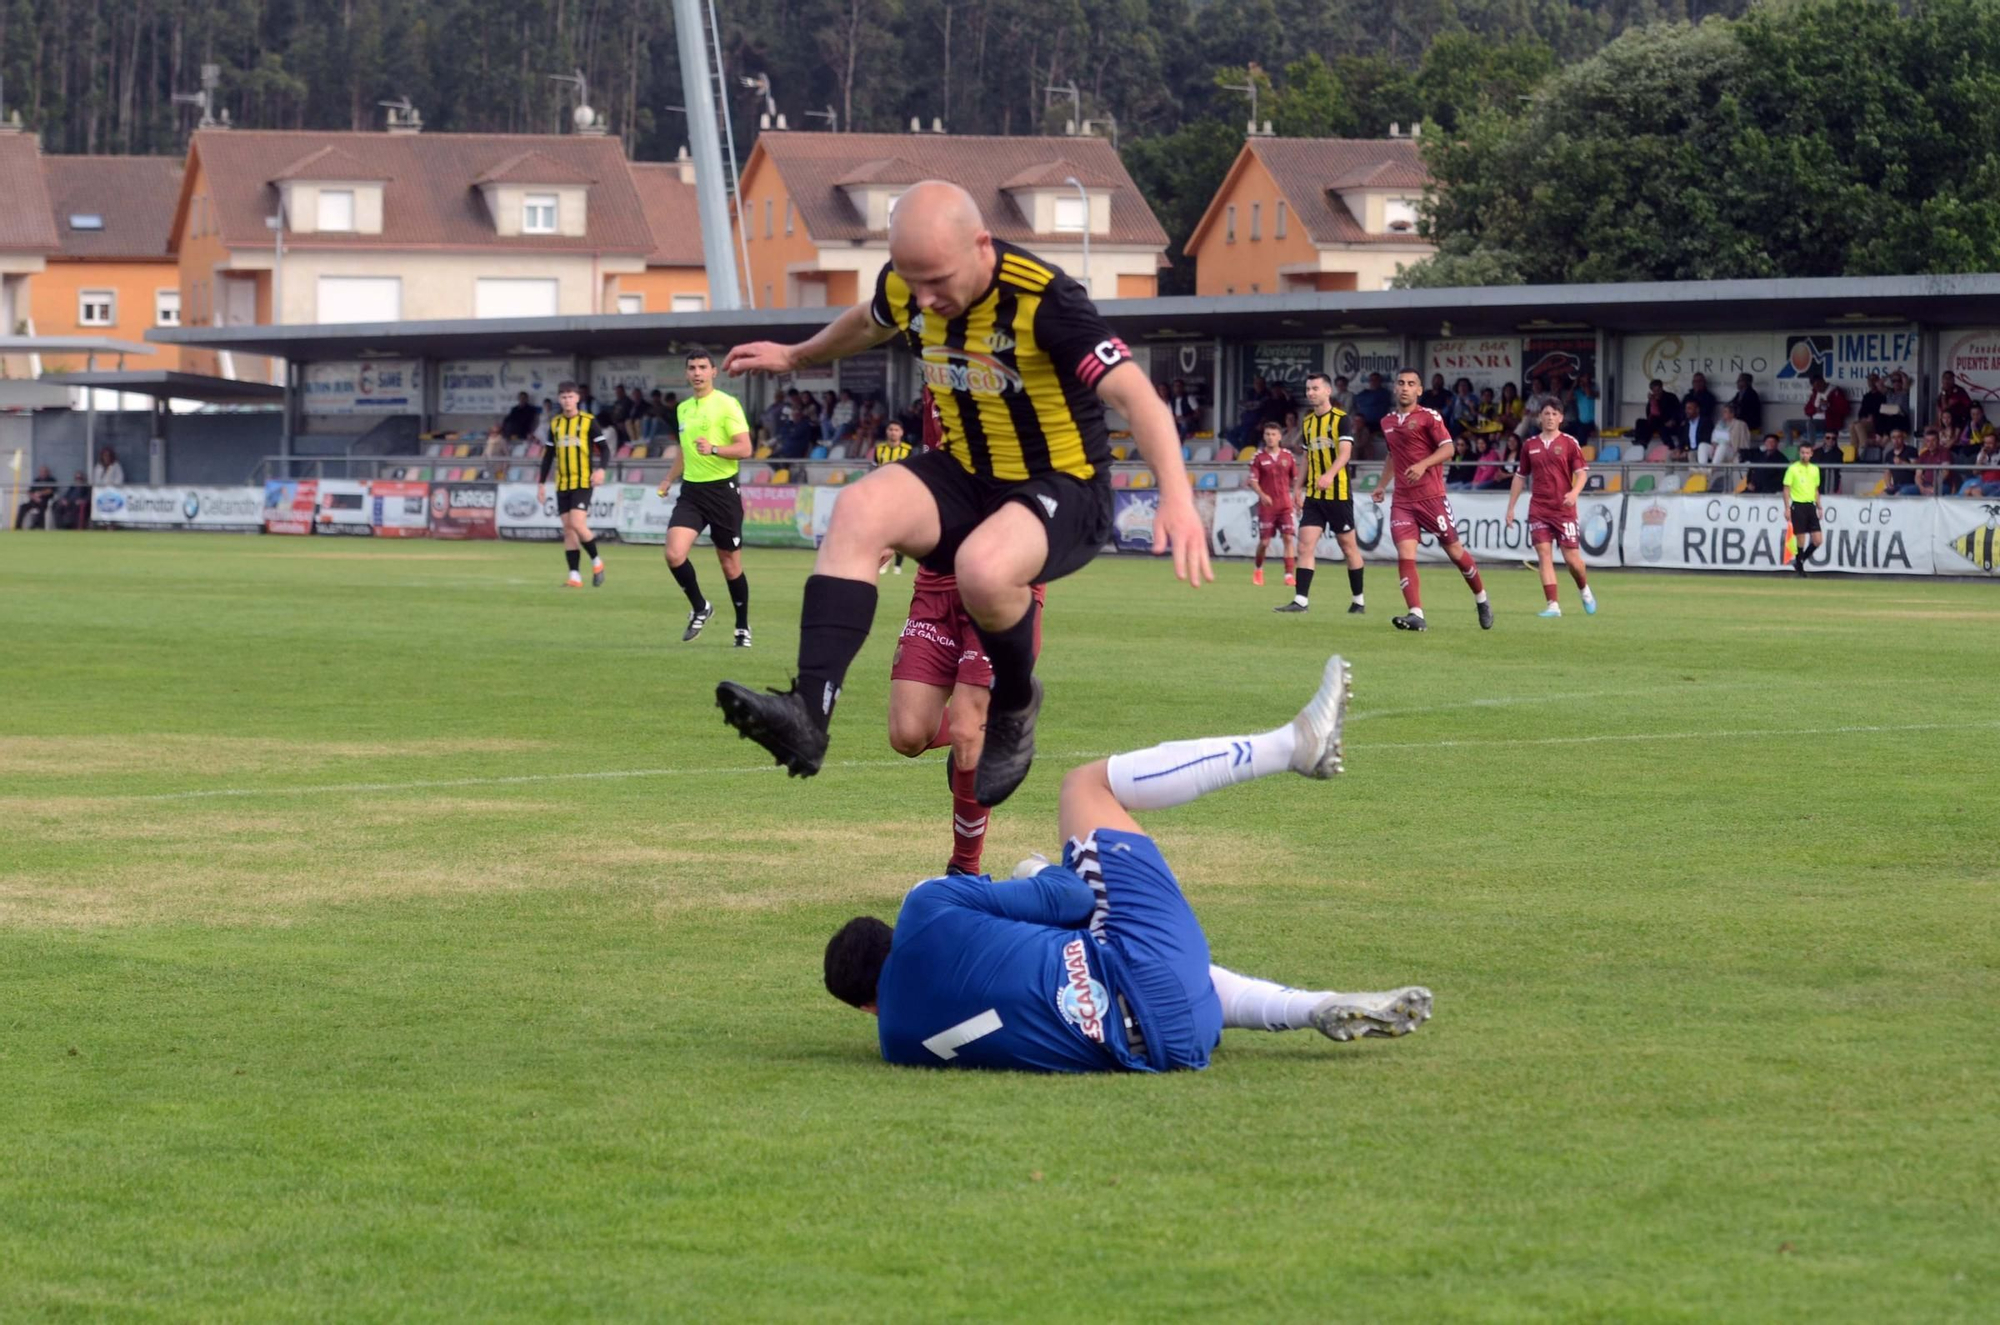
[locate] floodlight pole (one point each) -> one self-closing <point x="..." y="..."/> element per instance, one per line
<point x="705" y="144"/>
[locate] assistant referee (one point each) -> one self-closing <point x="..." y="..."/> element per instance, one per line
<point x="1022" y="368"/>
<point x="715" y="438"/>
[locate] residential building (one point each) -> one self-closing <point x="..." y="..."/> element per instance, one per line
<point x="27" y="232"/>
<point x="814" y="213"/>
<point x="401" y="226"/>
<point x="112" y="274"/>
<point x="676" y="277"/>
<point x="1311" y="214"/>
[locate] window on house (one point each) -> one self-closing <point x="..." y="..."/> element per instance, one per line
<point x="538" y="214"/>
<point x="1072" y="216"/>
<point x="790" y="211"/>
<point x="166" y="308"/>
<point x="1256" y="220"/>
<point x="86" y="221"/>
<point x="767" y="218"/>
<point x="336" y="209"/>
<point x="690" y="303"/>
<point x="96" y="308"/>
<point x="631" y="303"/>
<point x="1278" y="222"/>
<point x="1229" y="227"/>
<point x="894" y="198"/>
<point x="1400" y="215"/>
<point x="515" y="296"/>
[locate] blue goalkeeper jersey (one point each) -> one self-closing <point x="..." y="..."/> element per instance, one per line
<point x="999" y="975"/>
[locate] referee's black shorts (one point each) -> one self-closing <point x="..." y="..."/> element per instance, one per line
<point x="1330" y="513"/>
<point x="1805" y="518"/>
<point x="1075" y="513"/>
<point x="715" y="505"/>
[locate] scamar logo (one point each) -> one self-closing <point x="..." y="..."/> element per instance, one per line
<point x="520" y="506"/>
<point x="440" y="502"/>
<point x="966" y="370"/>
<point x="1081" y="999"/>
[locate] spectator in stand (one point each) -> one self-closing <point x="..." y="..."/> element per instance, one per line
<point x="829" y="403"/>
<point x="1746" y="403"/>
<point x="1580" y="407"/>
<point x="1492" y="473"/>
<point x="844" y="414"/>
<point x="522" y="419"/>
<point x="911" y="416"/>
<point x="1829" y="459"/>
<point x="1660" y="415"/>
<point x="1511" y="410"/>
<point x="1767" y="474"/>
<point x="1186" y="407"/>
<point x="870" y="426"/>
<point x="659" y="416"/>
<point x="1964" y="454"/>
<point x="1437" y="398"/>
<point x="68" y="510"/>
<point x="1277" y="405"/>
<point x="1977" y="426"/>
<point x="1931" y="461"/>
<point x="1949" y="432"/>
<point x="1986" y="483"/>
<point x="1952" y="398"/>
<point x="796" y="437"/>
<point x="1727" y="441"/>
<point x="1895" y="411"/>
<point x="107" y="472"/>
<point x="777" y="414"/>
<point x="1343" y="399"/>
<point x="1901" y="458"/>
<point x="1699" y="393"/>
<point x="1464" y="407"/>
<point x="34" y="512"/>
<point x="1488" y="421"/>
<point x="1370" y="404"/>
<point x="1828" y="406"/>
<point x="1540" y="393"/>
<point x="1464" y="464"/>
<point x="1692" y="435"/>
<point x="1869" y="413"/>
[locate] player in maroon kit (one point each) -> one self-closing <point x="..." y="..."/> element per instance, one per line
<point x="1274" y="471"/>
<point x="1419" y="446"/>
<point x="939" y="686"/>
<point x="1553" y="461"/>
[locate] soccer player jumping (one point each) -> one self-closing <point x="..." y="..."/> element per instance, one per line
<point x="1419" y="446"/>
<point x="1022" y="367"/>
<point x="1553" y="461"/>
<point x="1098" y="964"/>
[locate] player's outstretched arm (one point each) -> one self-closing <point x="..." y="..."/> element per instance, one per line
<point x="1176" y="525"/>
<point x="852" y="332"/>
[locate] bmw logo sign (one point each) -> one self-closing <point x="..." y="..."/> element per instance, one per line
<point x="191" y="506"/>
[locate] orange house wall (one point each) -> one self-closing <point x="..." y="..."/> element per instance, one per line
<point x="1221" y="267"/>
<point x="200" y="255"/>
<point x="770" y="258"/>
<point x="52" y="302"/>
<point x="659" y="285"/>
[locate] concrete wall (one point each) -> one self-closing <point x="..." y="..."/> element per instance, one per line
<point x="209" y="449"/>
<point x="441" y="285"/>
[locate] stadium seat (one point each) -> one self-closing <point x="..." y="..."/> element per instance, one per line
<point x="781" y="476"/>
<point x="1616" y="483"/>
<point x="1204" y="455"/>
<point x="1208" y="480"/>
<point x="1881" y="486"/>
<point x="640" y="452"/>
<point x="434" y="448"/>
<point x="1187" y="452"/>
<point x="1121" y="478"/>
<point x="1224" y="452"/>
<point x="1142" y="479"/>
<point x="1656" y="453"/>
<point x="1643" y="483"/>
<point x="1610" y="453"/>
<point x="817" y="453"/>
<point x="1589" y="454"/>
<point x="1847" y="452"/>
<point x="761" y="474"/>
<point x="1369" y="482"/>
<point x="1695" y="483"/>
<point x="624" y="451"/>
<point x="1595" y="483"/>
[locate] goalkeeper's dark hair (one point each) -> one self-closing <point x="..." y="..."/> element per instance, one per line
<point x="854" y="959"/>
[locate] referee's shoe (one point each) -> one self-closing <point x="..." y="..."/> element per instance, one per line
<point x="779" y="720"/>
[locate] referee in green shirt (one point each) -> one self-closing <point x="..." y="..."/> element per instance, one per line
<point x="714" y="438"/>
<point x="1802" y="489"/>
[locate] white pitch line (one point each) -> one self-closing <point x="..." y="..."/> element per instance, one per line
<point x="612" y="775"/>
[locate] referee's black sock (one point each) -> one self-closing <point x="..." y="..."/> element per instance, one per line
<point x="1305" y="584"/>
<point x="739" y="594"/>
<point x="1012" y="653"/>
<point x="1354" y="580"/>
<point x="590" y="546"/>
<point x="833" y="625"/>
<point x="685" y="578"/>
<point x="570" y="555"/>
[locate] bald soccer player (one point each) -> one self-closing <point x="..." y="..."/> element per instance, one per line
<point x="1022" y="368"/>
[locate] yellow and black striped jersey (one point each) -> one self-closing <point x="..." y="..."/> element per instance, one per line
<point x="888" y="452"/>
<point x="574" y="443"/>
<point x="1323" y="434"/>
<point x="1015" y="375"/>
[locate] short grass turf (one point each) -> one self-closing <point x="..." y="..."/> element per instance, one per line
<point x="385" y="933"/>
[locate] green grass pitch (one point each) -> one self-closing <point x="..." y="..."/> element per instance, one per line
<point x="385" y="934"/>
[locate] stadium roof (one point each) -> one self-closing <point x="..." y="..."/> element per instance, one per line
<point x="164" y="384"/>
<point x="1857" y="302"/>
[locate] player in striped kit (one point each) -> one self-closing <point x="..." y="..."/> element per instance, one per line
<point x="578" y="448"/>
<point x="1327" y="493"/>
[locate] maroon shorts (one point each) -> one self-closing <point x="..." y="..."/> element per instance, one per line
<point x="940" y="646"/>
<point x="1423" y="517"/>
<point x="1553" y="527"/>
<point x="1275" y="520"/>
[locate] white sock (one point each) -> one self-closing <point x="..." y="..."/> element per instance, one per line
<point x="1479" y="597"/>
<point x="1417" y="612"/>
<point x="1251" y="1004"/>
<point x="1179" y="771"/>
<point x="1299" y="598"/>
<point x="1358" y="600"/>
<point x="1587" y="595"/>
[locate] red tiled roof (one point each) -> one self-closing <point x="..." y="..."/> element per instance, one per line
<point x="1056" y="174"/>
<point x="672" y="213"/>
<point x="815" y="165"/>
<point x="429" y="198"/>
<point x="1309" y="170"/>
<point x="133" y="194"/>
<point x="330" y="163"/>
<point x="533" y="168"/>
<point x="25" y="221"/>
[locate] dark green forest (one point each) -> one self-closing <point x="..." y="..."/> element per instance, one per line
<point x="1576" y="139"/>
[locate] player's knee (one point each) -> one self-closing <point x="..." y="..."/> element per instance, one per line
<point x="1087" y="779"/>
<point x="907" y="738"/>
